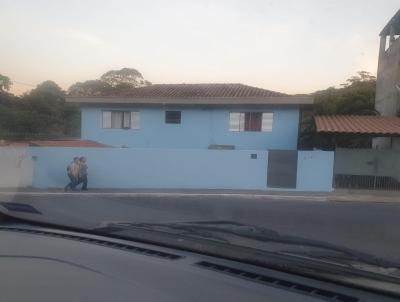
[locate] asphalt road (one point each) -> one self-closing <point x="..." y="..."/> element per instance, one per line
<point x="365" y="226"/>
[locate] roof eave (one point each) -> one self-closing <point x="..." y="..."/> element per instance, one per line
<point x="364" y="134"/>
<point x="395" y="20"/>
<point x="274" y="100"/>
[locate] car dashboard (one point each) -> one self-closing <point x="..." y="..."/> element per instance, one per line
<point x="45" y="264"/>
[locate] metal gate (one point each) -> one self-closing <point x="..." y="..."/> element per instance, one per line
<point x="282" y="169"/>
<point x="367" y="169"/>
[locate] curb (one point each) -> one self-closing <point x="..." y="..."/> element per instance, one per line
<point x="169" y="194"/>
<point x="322" y="198"/>
<point x="364" y="199"/>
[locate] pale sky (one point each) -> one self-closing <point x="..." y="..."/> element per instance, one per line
<point x="292" y="46"/>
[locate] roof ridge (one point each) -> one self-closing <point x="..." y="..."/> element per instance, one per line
<point x="196" y="90"/>
<point x="192" y="84"/>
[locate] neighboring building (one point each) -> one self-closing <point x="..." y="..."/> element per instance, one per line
<point x="197" y="116"/>
<point x="387" y="100"/>
<point x="385" y="128"/>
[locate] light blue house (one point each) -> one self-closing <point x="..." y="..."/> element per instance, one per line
<point x="190" y="136"/>
<point x="193" y="116"/>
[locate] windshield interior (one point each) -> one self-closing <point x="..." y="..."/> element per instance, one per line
<point x="247" y="131"/>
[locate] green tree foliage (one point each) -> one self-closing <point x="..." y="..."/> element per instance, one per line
<point x="355" y="97"/>
<point x="110" y="82"/>
<point x="40" y="113"/>
<point x="124" y="78"/>
<point x="5" y="83"/>
<point x="43" y="112"/>
<point x="90" y="88"/>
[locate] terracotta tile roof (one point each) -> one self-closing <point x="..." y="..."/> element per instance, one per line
<point x="195" y="94"/>
<point x="358" y="124"/>
<point x="67" y="143"/>
<point x="53" y="143"/>
<point x="199" y="91"/>
<point x="14" y="144"/>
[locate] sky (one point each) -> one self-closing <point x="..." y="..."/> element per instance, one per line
<point x="291" y="46"/>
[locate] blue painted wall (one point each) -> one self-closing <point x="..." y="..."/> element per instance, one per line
<point x="176" y="168"/>
<point x="315" y="170"/>
<point x="153" y="168"/>
<point x="198" y="129"/>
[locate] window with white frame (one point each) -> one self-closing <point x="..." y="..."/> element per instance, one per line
<point x="135" y="120"/>
<point x="251" y="121"/>
<point x="120" y="119"/>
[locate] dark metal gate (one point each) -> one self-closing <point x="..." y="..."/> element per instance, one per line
<point x="282" y="169"/>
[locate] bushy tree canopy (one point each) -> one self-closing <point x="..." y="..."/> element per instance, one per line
<point x="124" y="78"/>
<point x="90" y="88"/>
<point x="110" y="82"/>
<point x="43" y="112"/>
<point x="40" y="113"/>
<point x="5" y="83"/>
<point x="355" y="97"/>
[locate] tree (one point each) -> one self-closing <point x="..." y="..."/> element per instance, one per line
<point x="40" y="113"/>
<point x="356" y="97"/>
<point x="49" y="90"/>
<point x="124" y="78"/>
<point x="362" y="77"/>
<point x="110" y="82"/>
<point x="90" y="88"/>
<point x="5" y="83"/>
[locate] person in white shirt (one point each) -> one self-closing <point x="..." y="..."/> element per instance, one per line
<point x="73" y="174"/>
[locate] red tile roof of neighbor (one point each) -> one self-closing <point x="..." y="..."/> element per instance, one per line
<point x="56" y="143"/>
<point x="358" y="124"/>
<point x="201" y="94"/>
<point x="67" y="143"/>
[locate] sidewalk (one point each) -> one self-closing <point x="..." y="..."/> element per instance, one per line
<point x="345" y="195"/>
<point x="341" y="195"/>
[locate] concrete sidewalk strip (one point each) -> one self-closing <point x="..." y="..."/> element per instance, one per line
<point x="364" y="198"/>
<point x="167" y="194"/>
<point x="335" y="196"/>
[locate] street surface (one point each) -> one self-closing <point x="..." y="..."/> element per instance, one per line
<point x="365" y="226"/>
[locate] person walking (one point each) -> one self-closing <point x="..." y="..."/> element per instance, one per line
<point x="83" y="174"/>
<point x="72" y="172"/>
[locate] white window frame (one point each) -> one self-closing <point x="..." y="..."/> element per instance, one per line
<point x="135" y="120"/>
<point x="237" y="121"/>
<point x="106" y="119"/>
<point x="117" y="118"/>
<point x="126" y="120"/>
<point x="130" y="119"/>
<point x="267" y="122"/>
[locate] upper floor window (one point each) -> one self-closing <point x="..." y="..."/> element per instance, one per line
<point x="251" y="121"/>
<point x="172" y="117"/>
<point x="121" y="119"/>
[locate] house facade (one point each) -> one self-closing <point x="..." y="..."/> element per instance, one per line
<point x="194" y="116"/>
<point x="187" y="136"/>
